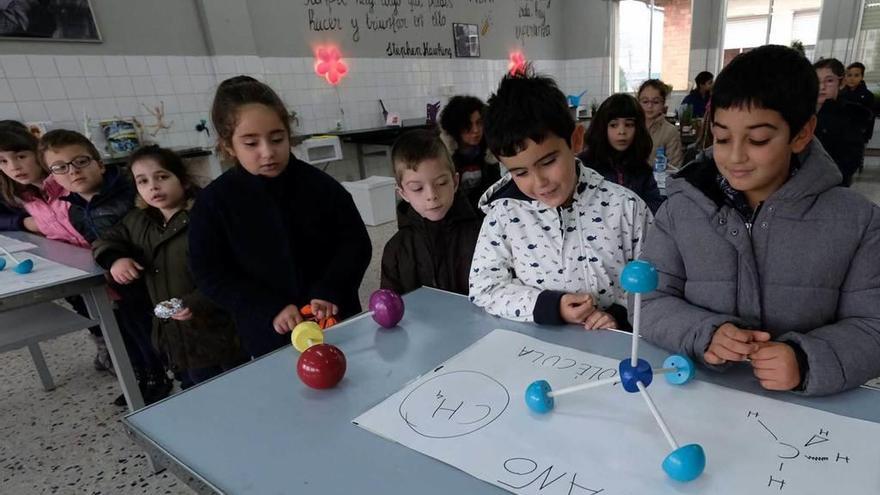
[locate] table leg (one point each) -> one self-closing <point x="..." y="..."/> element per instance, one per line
<point x="40" y="364"/>
<point x="101" y="309"/>
<point x="362" y="169"/>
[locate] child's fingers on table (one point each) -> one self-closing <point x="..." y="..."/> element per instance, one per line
<point x="711" y="358"/>
<point x="736" y="346"/>
<point x="728" y="354"/>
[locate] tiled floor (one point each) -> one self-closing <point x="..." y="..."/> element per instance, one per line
<point x="70" y="440"/>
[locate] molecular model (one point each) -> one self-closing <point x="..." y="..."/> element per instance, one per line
<point x="21" y="267"/>
<point x="323" y="365"/>
<point x="683" y="463"/>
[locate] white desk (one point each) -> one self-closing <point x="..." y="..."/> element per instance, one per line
<point x="28" y="316"/>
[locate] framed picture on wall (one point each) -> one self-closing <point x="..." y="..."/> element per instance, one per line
<point x="49" y="20"/>
<point x="467" y="40"/>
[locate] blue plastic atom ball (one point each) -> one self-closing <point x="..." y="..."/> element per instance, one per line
<point x="685" y="367"/>
<point x="639" y="277"/>
<point x="630" y="376"/>
<point x="537" y="398"/>
<point x="24" y="267"/>
<point x="686" y="463"/>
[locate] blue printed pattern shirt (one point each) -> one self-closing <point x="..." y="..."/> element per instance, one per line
<point x="526" y="247"/>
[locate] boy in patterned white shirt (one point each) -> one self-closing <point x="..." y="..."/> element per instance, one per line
<point x="556" y="235"/>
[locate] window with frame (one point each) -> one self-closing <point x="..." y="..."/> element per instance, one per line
<point x="868" y="43"/>
<point x="753" y="23"/>
<point x="653" y="41"/>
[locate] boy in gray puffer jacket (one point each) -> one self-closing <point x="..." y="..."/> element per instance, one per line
<point x="762" y="257"/>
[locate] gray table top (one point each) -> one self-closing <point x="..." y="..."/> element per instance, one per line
<point x="59" y="252"/>
<point x="257" y="429"/>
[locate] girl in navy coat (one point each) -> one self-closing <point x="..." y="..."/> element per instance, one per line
<point x="273" y="233"/>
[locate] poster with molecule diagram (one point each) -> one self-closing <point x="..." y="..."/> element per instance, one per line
<point x="470" y="413"/>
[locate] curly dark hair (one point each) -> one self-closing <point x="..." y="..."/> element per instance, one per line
<point x="456" y="116"/>
<point x="599" y="151"/>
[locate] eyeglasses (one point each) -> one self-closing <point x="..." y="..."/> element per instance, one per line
<point x="80" y="162"/>
<point x="651" y="102"/>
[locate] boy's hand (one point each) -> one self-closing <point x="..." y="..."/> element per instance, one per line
<point x="323" y="309"/>
<point x="31" y="225"/>
<point x="288" y="318"/>
<point x="182" y="315"/>
<point x="125" y="271"/>
<point x="731" y="343"/>
<point x="775" y="366"/>
<point x="575" y="308"/>
<point x="600" y="319"/>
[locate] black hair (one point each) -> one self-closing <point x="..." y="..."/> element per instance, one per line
<point x="657" y="84"/>
<point x="774" y="77"/>
<point x="456" y="116"/>
<point x="835" y="65"/>
<point x="15" y="138"/>
<point x="13" y="124"/>
<point x="703" y="77"/>
<point x="599" y="151"/>
<point x="526" y="106"/>
<point x="231" y="95"/>
<point x="168" y="160"/>
<point x="414" y="147"/>
<point x="857" y="65"/>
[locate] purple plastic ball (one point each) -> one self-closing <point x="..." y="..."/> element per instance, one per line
<point x="387" y="307"/>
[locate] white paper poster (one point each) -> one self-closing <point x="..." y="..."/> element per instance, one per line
<point x="45" y="272"/>
<point x="470" y="413"/>
<point x="14" y="245"/>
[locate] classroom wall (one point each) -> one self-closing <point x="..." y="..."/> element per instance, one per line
<point x="130" y="27"/>
<point x="175" y="52"/>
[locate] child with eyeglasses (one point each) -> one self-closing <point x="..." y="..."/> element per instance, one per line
<point x="25" y="184"/>
<point x="100" y="196"/>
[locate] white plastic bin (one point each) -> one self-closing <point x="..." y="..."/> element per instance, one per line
<point x="374" y="198"/>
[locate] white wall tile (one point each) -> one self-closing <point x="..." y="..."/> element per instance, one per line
<point x="182" y="84"/>
<point x="156" y="65"/>
<point x="93" y="65"/>
<point x="51" y="88"/>
<point x="143" y="85"/>
<point x="33" y="110"/>
<point x="163" y="85"/>
<point x="43" y="65"/>
<point x="115" y="65"/>
<point x="176" y="65"/>
<point x="196" y="65"/>
<point x="59" y="110"/>
<point x="137" y="65"/>
<point x="99" y="87"/>
<point x="121" y="86"/>
<point x="128" y="106"/>
<point x="6" y="92"/>
<point x="25" y="89"/>
<point x="15" y="66"/>
<point x="68" y="66"/>
<point x="106" y="108"/>
<point x="10" y="111"/>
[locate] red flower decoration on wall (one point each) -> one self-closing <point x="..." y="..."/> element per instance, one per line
<point x="516" y="64"/>
<point x="329" y="64"/>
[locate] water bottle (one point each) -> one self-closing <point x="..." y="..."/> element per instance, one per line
<point x="660" y="167"/>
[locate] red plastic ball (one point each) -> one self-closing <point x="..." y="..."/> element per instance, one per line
<point x="387" y="307"/>
<point x="321" y="366"/>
